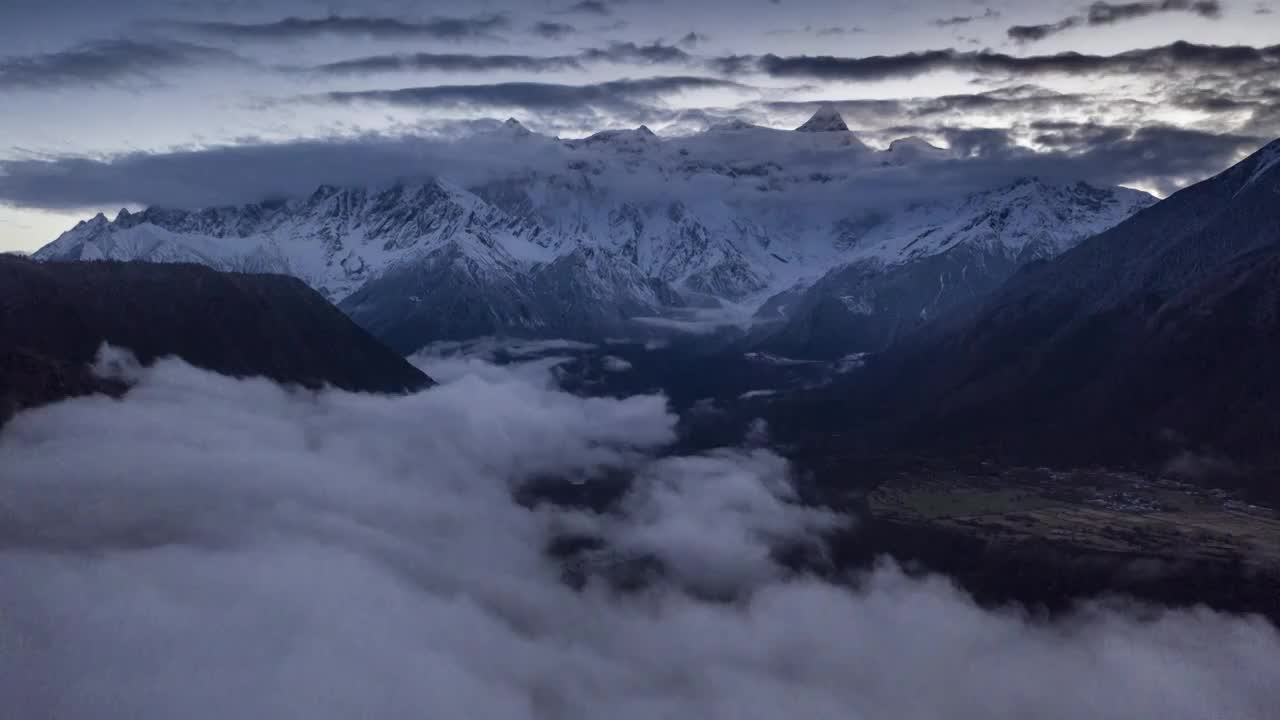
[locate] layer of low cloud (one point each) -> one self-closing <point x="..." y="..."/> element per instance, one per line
<point x="535" y="96"/>
<point x="532" y="362"/>
<point x="692" y="39"/>
<point x="1007" y="104"/>
<point x="124" y="58"/>
<point x="821" y="30"/>
<point x="621" y="53"/>
<point x="150" y="60"/>
<point x="957" y="20"/>
<point x="1161" y="157"/>
<point x="638" y="53"/>
<point x="449" y="63"/>
<point x="590" y="7"/>
<point x="1109" y="13"/>
<point x="553" y="30"/>
<point x="1173" y="58"/>
<point x="116" y="60"/>
<point x="108" y="62"/>
<point x="299" y="28"/>
<point x="211" y="548"/>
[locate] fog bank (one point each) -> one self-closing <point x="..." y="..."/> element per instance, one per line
<point x="209" y="547"/>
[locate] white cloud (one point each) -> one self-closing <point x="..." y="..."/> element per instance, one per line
<point x="613" y="363"/>
<point x="214" y="548"/>
<point x="529" y="361"/>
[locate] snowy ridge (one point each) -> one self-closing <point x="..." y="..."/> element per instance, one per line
<point x="1027" y="220"/>
<point x="1266" y="160"/>
<point x="621" y="222"/>
<point x="335" y="240"/>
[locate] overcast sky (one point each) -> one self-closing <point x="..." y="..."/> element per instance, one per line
<point x="1168" y="90"/>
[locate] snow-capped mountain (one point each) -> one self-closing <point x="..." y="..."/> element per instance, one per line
<point x="335" y="240"/>
<point x="908" y="267"/>
<point x="580" y="237"/>
<point x="1153" y="339"/>
<point x="826" y="119"/>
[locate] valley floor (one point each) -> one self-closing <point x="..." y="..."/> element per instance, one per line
<point x="1095" y="510"/>
<point x="1051" y="538"/>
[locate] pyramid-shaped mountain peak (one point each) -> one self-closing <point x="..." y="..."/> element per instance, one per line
<point x="826" y="119"/>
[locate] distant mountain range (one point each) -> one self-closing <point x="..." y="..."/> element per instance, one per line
<point x="624" y="231"/>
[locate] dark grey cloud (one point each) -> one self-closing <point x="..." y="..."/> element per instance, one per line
<point x="836" y="30"/>
<point x="1108" y="13"/>
<point x="1266" y="118"/>
<point x="223" y="175"/>
<point x="1161" y="157"/>
<point x="1179" y="56"/>
<point x="108" y="61"/>
<point x="1240" y="118"/>
<point x="297" y="28"/>
<point x="988" y="14"/>
<point x="621" y="53"/>
<point x="820" y="30"/>
<point x="1031" y="33"/>
<point x="1020" y="100"/>
<point x="979" y="142"/>
<point x="449" y="62"/>
<point x="1071" y="136"/>
<point x="590" y="7"/>
<point x="635" y="53"/>
<point x="1211" y="100"/>
<point x="1158" y="156"/>
<point x="613" y="26"/>
<point x="692" y="39"/>
<point x="553" y="30"/>
<point x="1011" y="104"/>
<point x="534" y="96"/>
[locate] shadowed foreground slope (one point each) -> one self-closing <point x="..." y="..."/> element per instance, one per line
<point x="54" y="317"/>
